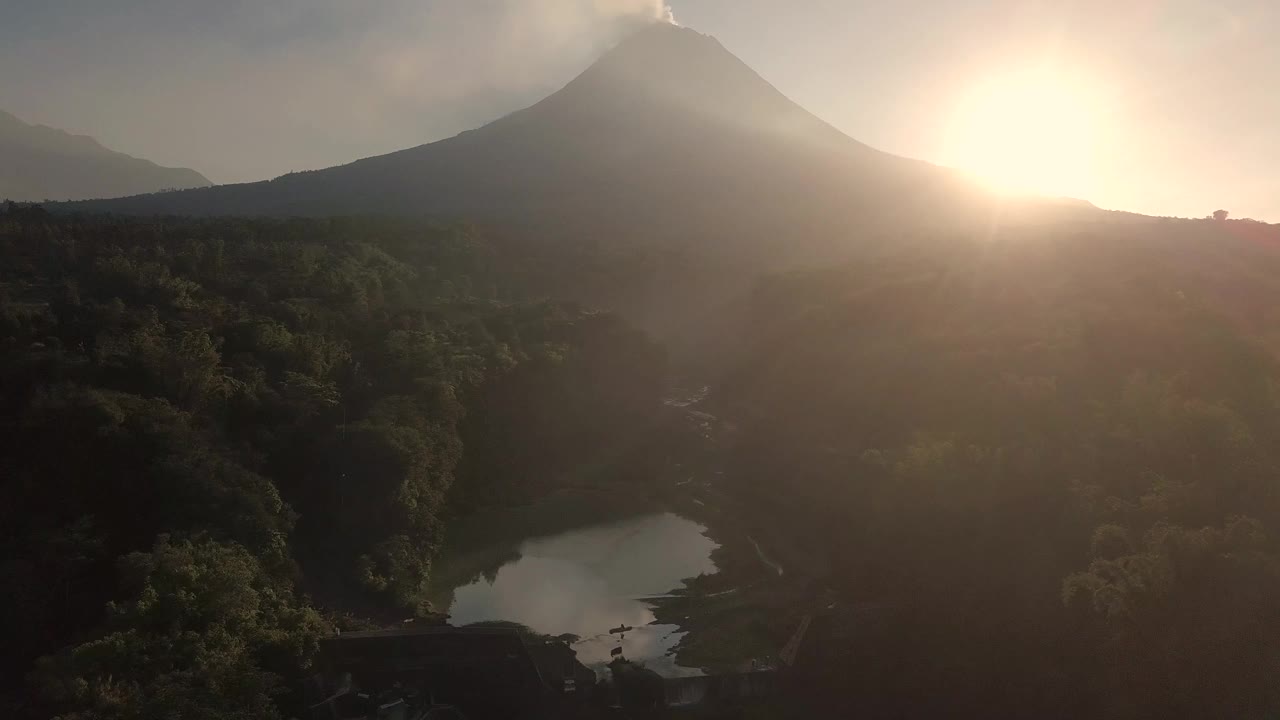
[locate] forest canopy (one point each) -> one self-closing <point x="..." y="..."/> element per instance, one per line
<point x="1049" y="459"/>
<point x="221" y="436"/>
<point x="1031" y="472"/>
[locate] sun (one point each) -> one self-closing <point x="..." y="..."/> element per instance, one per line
<point x="1030" y="132"/>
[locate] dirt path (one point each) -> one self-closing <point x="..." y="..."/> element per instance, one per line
<point x="764" y="558"/>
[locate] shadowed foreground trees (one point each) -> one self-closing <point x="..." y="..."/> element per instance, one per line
<point x="202" y="420"/>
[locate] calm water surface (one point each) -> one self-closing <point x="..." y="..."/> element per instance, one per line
<point x="589" y="579"/>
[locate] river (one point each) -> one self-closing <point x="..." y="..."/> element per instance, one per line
<point x="583" y="579"/>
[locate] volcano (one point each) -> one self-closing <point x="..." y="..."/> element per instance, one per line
<point x="668" y="139"/>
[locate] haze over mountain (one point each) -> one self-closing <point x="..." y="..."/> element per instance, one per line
<point x="44" y="163"/>
<point x="668" y="148"/>
<point x="668" y="137"/>
<point x="941" y="450"/>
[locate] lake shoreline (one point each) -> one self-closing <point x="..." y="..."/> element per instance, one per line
<point x="737" y="616"/>
<point x="579" y="562"/>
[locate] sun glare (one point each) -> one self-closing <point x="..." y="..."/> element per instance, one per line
<point x="1031" y="132"/>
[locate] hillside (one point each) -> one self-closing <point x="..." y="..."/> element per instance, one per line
<point x="1049" y="457"/>
<point x="667" y="139"/>
<point x="42" y="163"/>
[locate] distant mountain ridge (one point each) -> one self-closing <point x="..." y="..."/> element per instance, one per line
<point x="668" y="138"/>
<point x="42" y="163"/>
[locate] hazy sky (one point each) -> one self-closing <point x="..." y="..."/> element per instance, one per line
<point x="1184" y="94"/>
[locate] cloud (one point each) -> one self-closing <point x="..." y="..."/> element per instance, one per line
<point x="645" y="10"/>
<point x="245" y="90"/>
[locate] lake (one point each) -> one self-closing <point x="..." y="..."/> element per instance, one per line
<point x="581" y="581"/>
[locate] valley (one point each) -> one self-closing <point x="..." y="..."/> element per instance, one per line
<point x="607" y="554"/>
<point x="663" y="352"/>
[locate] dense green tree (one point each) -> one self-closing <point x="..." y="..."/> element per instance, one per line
<point x="232" y="407"/>
<point x="197" y="635"/>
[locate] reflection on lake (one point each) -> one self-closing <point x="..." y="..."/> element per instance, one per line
<point x="588" y="580"/>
